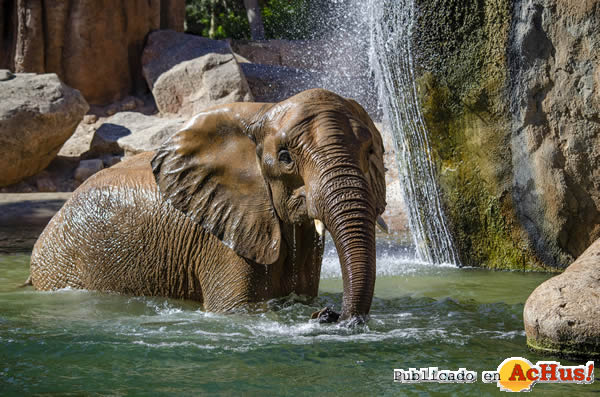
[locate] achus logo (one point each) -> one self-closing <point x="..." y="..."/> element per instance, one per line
<point x="517" y="374"/>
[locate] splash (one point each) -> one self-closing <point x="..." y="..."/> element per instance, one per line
<point x="367" y="55"/>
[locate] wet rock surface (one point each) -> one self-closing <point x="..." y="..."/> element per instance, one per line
<point x="395" y="212"/>
<point x="511" y="100"/>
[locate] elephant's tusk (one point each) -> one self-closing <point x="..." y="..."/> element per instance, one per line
<point x="382" y="225"/>
<point x="320" y="227"/>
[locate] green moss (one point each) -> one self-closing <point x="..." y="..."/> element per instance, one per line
<point x="473" y="165"/>
<point x="470" y="145"/>
<point x="569" y="348"/>
<point x="461" y="49"/>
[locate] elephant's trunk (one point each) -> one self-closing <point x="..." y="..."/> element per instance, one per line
<point x="349" y="215"/>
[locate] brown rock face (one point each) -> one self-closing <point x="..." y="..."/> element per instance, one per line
<point x="37" y="115"/>
<point x="94" y="46"/>
<point x="563" y="314"/>
<point x="556" y="124"/>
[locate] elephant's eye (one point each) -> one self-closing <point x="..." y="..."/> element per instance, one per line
<point x="284" y="156"/>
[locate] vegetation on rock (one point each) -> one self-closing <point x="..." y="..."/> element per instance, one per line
<point x="462" y="84"/>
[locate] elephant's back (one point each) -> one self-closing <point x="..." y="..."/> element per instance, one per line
<point x="114" y="234"/>
<point x="133" y="172"/>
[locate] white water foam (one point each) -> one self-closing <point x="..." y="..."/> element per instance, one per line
<point x="392" y="260"/>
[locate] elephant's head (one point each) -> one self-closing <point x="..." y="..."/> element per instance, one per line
<point x="245" y="170"/>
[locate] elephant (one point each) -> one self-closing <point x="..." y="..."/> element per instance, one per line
<point x="230" y="210"/>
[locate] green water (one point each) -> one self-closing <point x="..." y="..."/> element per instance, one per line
<point x="86" y="343"/>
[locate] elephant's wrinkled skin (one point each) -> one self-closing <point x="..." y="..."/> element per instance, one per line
<point x="224" y="211"/>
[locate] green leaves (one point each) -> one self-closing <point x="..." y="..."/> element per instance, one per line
<point x="228" y="19"/>
<point x="283" y="19"/>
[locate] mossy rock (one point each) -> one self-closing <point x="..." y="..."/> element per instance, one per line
<point x="462" y="91"/>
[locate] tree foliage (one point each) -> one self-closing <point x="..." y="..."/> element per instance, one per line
<point x="283" y="19"/>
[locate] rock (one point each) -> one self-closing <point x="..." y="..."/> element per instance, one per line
<point x="23" y="216"/>
<point x="57" y="177"/>
<point x="21" y="187"/>
<point x="556" y="126"/>
<point x="112" y="109"/>
<point x="93" y="45"/>
<point x="130" y="133"/>
<point x="109" y="161"/>
<point x="514" y="124"/>
<point x="189" y="73"/>
<point x="38" y="114"/>
<point x="261" y="52"/>
<point x="45" y="185"/>
<point x="395" y="212"/>
<point x="138" y="102"/>
<point x="562" y="315"/>
<point x="6" y="75"/>
<point x="80" y="142"/>
<point x="299" y="54"/>
<point x="240" y="59"/>
<point x="88" y="168"/>
<point x="128" y="104"/>
<point x="90" y="118"/>
<point x="270" y="83"/>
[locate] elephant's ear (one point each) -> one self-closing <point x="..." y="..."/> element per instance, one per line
<point x="209" y="171"/>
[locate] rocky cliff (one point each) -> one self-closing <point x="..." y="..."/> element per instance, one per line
<point x="94" y="46"/>
<point x="510" y="92"/>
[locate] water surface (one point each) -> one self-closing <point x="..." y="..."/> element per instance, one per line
<point x="80" y="342"/>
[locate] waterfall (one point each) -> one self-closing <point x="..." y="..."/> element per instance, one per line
<point x="368" y="57"/>
<point x="391" y="60"/>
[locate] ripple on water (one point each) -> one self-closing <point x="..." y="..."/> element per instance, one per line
<point x="85" y="342"/>
<point x="168" y="324"/>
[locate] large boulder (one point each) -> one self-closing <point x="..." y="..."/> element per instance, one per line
<point x="93" y="45"/>
<point x="562" y="315"/>
<point x="38" y="113"/>
<point x="130" y="133"/>
<point x="188" y="73"/>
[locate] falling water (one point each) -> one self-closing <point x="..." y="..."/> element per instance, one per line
<point x="369" y="58"/>
<point x="390" y="55"/>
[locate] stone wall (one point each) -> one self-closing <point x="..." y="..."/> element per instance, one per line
<point x="510" y="96"/>
<point x="94" y="46"/>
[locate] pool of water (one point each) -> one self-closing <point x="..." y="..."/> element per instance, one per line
<point x="80" y="342"/>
